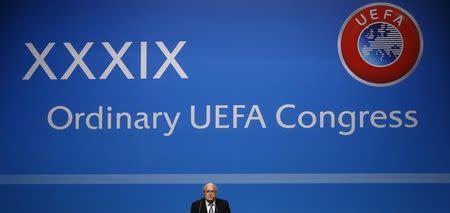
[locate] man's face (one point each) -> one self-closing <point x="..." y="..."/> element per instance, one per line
<point x="210" y="192"/>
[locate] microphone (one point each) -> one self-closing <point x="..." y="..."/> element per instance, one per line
<point x="200" y="205"/>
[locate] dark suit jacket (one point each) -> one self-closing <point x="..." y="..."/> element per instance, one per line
<point x="199" y="206"/>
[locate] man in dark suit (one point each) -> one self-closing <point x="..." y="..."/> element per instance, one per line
<point x="210" y="203"/>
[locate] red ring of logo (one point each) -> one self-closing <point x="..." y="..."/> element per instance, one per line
<point x="405" y="63"/>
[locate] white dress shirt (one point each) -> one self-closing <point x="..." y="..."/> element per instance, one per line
<point x="208" y="207"/>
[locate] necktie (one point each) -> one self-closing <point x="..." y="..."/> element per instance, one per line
<point x="211" y="208"/>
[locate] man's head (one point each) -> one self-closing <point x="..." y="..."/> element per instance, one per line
<point x="209" y="191"/>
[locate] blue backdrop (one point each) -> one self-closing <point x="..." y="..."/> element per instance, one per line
<point x="265" y="53"/>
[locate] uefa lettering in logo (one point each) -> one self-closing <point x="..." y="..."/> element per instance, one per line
<point x="380" y="44"/>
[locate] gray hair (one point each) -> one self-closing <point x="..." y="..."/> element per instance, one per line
<point x="214" y="185"/>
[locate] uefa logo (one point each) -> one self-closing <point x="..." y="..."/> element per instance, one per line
<point x="380" y="44"/>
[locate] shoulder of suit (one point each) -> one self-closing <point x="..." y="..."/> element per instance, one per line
<point x="197" y="201"/>
<point x="218" y="200"/>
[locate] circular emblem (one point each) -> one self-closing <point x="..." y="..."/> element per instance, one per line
<point x="380" y="44"/>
